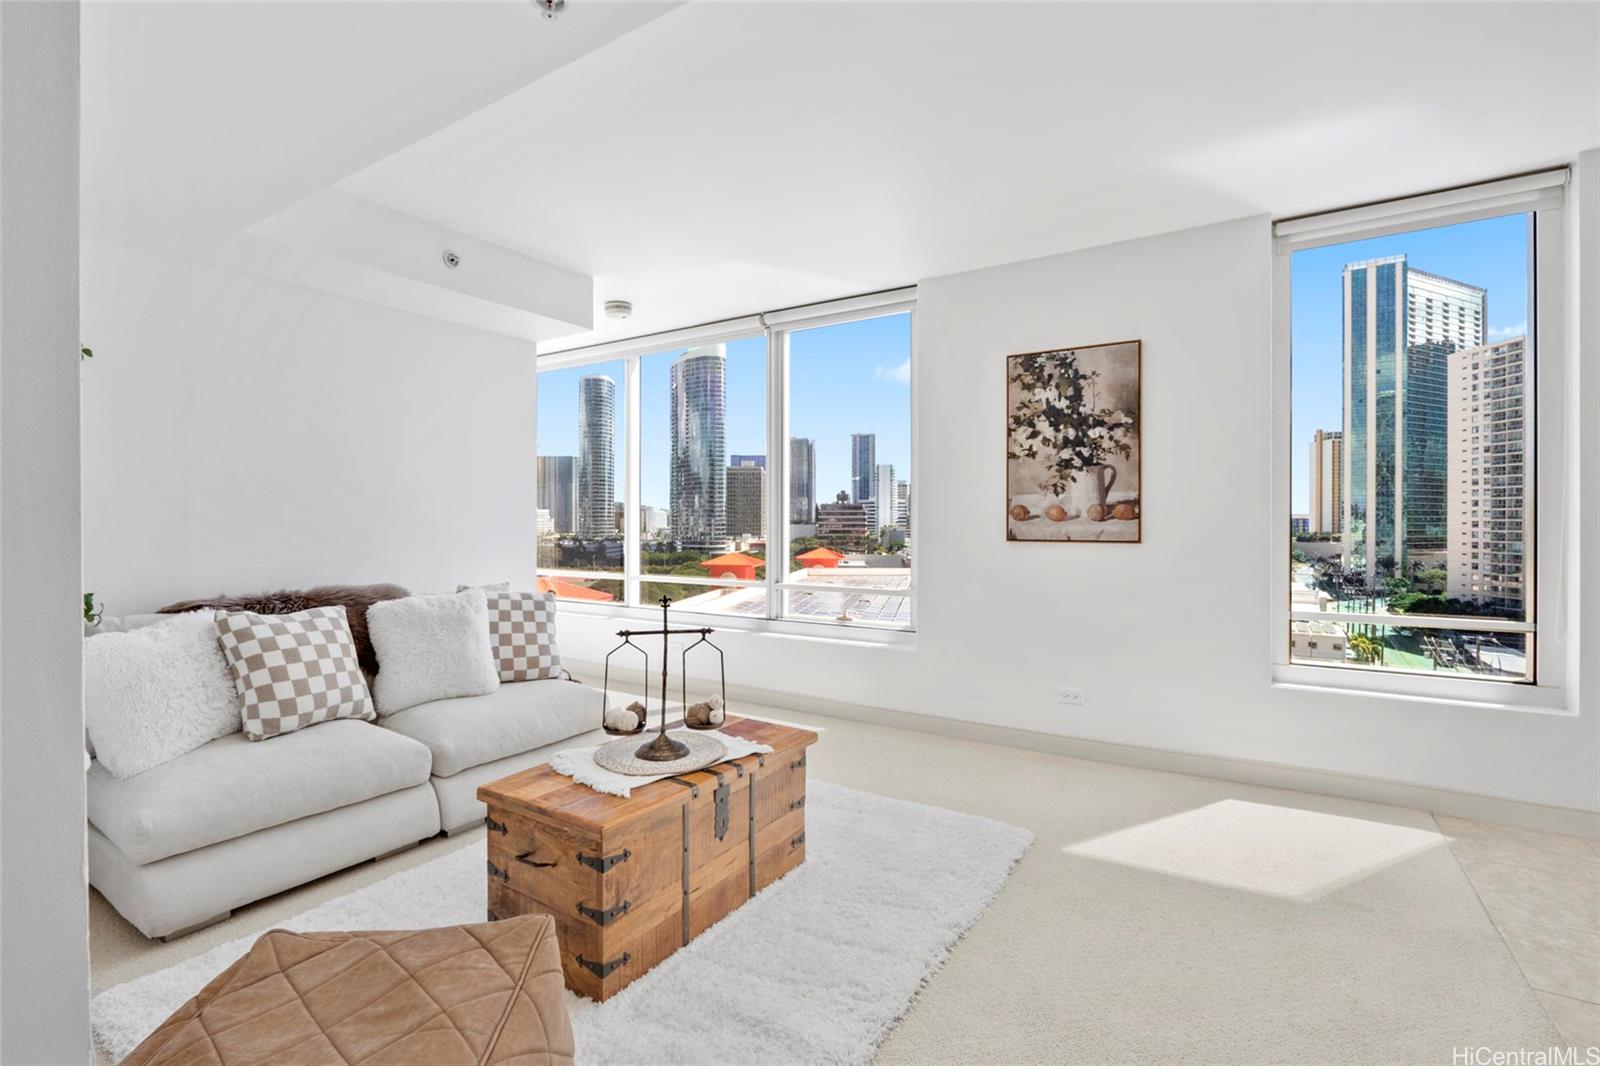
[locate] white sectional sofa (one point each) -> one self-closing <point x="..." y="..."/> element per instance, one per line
<point x="181" y="845"/>
<point x="477" y="739"/>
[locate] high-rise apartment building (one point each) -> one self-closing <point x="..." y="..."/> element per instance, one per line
<point x="558" y="491"/>
<point x="597" y="486"/>
<point x="883" y="513"/>
<point x="902" y="505"/>
<point x="802" y="480"/>
<point x="1400" y="326"/>
<point x="699" y="505"/>
<point x="747" y="499"/>
<point x="653" y="521"/>
<point x="1489" y="419"/>
<point x="1327" y="481"/>
<point x="863" y="464"/>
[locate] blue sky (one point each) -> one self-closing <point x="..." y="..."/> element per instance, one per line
<point x="1492" y="253"/>
<point x="848" y="378"/>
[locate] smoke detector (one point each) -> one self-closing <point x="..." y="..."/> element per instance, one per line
<point x="618" y="308"/>
<point x="550" y="8"/>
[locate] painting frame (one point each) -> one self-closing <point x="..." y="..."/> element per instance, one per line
<point x="1057" y="512"/>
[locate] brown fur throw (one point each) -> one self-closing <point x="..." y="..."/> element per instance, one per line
<point x="355" y="599"/>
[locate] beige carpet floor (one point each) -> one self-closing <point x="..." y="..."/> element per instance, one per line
<point x="1084" y="959"/>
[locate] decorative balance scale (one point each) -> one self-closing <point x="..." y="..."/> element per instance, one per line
<point x="664" y="753"/>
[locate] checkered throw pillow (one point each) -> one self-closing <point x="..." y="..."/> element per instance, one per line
<point x="522" y="631"/>
<point x="293" y="670"/>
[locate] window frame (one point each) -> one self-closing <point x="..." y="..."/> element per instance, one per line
<point x="776" y="328"/>
<point x="1543" y="195"/>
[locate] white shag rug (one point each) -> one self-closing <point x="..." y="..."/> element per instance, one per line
<point x="816" y="968"/>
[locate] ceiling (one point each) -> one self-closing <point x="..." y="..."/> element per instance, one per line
<point x="715" y="159"/>
<point x="206" y="117"/>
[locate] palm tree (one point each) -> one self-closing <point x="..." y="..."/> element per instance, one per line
<point x="1366" y="649"/>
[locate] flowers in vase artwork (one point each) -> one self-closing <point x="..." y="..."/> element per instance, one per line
<point x="1073" y="444"/>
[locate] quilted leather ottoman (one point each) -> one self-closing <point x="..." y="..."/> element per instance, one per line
<point x="470" y="994"/>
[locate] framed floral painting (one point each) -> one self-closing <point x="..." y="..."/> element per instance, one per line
<point x="1072" y="444"/>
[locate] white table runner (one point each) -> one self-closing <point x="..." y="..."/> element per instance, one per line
<point x="579" y="764"/>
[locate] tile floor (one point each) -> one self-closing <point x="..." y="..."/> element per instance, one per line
<point x="1542" y="892"/>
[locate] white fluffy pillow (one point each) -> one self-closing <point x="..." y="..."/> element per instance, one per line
<point x="431" y="648"/>
<point x="157" y="692"/>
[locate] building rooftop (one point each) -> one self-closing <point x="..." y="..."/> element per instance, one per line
<point x="569" y="591"/>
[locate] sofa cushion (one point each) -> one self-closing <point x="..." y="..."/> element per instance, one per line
<point x="156" y="693"/>
<point x="516" y="717"/>
<point x="231" y="787"/>
<point x="432" y="648"/>
<point x="522" y="631"/>
<point x="293" y="670"/>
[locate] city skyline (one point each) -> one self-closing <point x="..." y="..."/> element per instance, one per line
<point x="845" y="378"/>
<point x="1491" y="254"/>
<point x="1400" y="326"/>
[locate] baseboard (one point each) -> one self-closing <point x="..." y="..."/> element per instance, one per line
<point x="1549" y="819"/>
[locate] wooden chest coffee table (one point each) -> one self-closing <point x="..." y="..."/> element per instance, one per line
<point x="630" y="881"/>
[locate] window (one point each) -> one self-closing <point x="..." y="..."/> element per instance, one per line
<point x="581" y="450"/>
<point x="785" y="436"/>
<point x="702" y="462"/>
<point x="849" y="476"/>
<point x="1412" y="332"/>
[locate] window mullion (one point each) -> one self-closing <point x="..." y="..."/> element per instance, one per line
<point x="777" y="468"/>
<point x="631" y="483"/>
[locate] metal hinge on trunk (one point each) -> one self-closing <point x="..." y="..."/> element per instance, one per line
<point x="495" y="871"/>
<point x="797" y="804"/>
<point x="603" y="970"/>
<point x="607" y="916"/>
<point x="719" y="800"/>
<point x="494" y="826"/>
<point x="603" y="863"/>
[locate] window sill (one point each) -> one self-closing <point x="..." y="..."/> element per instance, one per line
<point x="1411" y="688"/>
<point x="820" y="632"/>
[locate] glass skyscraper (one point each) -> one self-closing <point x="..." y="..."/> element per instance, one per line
<point x="863" y="465"/>
<point x="802" y="480"/>
<point x="699" y="505"/>
<point x="597" y="485"/>
<point x="558" y="491"/>
<point x="1400" y="325"/>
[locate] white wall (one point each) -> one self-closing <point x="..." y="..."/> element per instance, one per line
<point x="1165" y="637"/>
<point x="241" y="434"/>
<point x="44" y="952"/>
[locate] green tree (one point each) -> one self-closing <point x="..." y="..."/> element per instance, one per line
<point x="1366" y="649"/>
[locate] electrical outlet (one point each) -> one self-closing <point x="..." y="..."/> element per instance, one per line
<point x="1070" y="696"/>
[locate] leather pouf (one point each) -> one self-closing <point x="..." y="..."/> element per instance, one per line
<point x="467" y="994"/>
